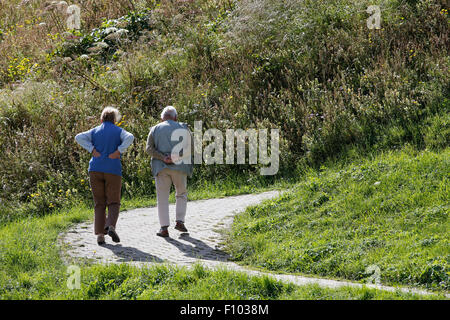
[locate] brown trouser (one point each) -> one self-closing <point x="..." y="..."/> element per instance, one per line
<point x="106" y="188"/>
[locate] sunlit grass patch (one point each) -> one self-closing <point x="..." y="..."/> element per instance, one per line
<point x="390" y="211"/>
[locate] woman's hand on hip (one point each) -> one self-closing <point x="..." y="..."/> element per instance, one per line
<point x="115" y="155"/>
<point x="95" y="153"/>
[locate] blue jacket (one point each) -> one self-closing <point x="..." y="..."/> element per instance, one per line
<point x="106" y="139"/>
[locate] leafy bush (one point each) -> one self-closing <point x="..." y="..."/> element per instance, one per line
<point x="310" y="68"/>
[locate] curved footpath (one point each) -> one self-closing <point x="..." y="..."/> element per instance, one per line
<point x="205" y="218"/>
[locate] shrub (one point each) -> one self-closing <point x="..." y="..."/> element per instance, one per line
<point x="310" y="68"/>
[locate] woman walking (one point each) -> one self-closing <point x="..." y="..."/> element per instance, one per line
<point x="106" y="142"/>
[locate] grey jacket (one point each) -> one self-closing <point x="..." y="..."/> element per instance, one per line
<point x="160" y="144"/>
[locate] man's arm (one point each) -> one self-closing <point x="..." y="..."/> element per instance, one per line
<point x="151" y="148"/>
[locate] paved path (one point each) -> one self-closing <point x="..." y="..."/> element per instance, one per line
<point x="205" y="219"/>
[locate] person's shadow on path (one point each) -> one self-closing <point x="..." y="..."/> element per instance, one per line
<point x="131" y="254"/>
<point x="199" y="249"/>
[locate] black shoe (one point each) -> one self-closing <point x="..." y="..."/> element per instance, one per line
<point x="180" y="226"/>
<point x="100" y="240"/>
<point x="113" y="234"/>
<point x="163" y="233"/>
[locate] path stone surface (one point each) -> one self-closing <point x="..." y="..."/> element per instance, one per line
<point x="139" y="243"/>
<point x="204" y="219"/>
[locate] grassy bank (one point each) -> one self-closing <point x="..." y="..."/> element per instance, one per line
<point x="310" y="68"/>
<point x="31" y="268"/>
<point x="389" y="211"/>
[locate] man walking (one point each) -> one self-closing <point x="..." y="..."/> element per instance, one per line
<point x="169" y="167"/>
<point x="106" y="142"/>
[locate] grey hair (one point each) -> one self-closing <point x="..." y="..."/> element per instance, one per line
<point x="169" y="111"/>
<point x="110" y="114"/>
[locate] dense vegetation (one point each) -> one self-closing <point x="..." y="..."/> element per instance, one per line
<point x="344" y="96"/>
<point x="311" y="68"/>
<point x="31" y="268"/>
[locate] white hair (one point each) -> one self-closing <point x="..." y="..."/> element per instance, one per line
<point x="169" y="111"/>
<point x="110" y="114"/>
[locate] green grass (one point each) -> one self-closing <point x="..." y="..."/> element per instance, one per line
<point x="164" y="282"/>
<point x="389" y="210"/>
<point x="314" y="71"/>
<point x="31" y="267"/>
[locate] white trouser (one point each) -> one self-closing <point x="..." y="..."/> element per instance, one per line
<point x="163" y="182"/>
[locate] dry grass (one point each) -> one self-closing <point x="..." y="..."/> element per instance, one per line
<point x="31" y="28"/>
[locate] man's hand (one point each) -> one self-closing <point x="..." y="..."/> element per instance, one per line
<point x="168" y="160"/>
<point x="115" y="155"/>
<point x="95" y="153"/>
